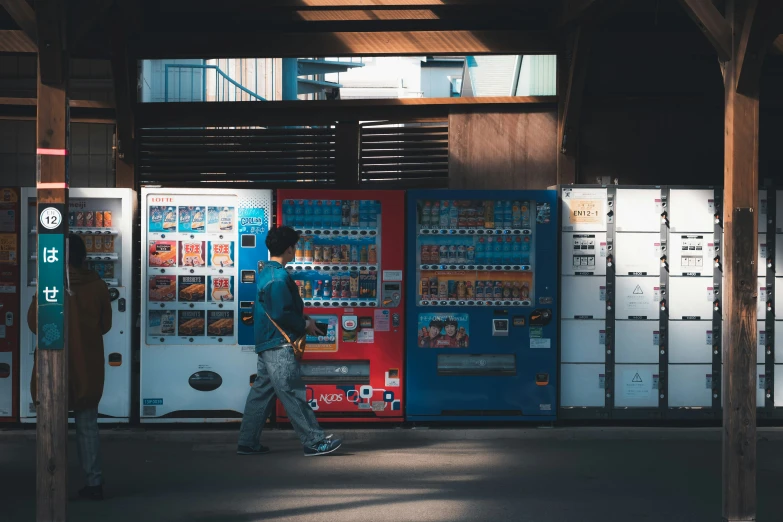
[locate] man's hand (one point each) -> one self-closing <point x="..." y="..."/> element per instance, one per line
<point x="312" y="329"/>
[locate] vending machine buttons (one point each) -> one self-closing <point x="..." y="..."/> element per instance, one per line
<point x="542" y="379"/>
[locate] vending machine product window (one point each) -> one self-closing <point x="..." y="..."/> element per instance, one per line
<point x="475" y="252"/>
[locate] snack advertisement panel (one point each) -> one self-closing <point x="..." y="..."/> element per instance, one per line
<point x="162" y="254"/>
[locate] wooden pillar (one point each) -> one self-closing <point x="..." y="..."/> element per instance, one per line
<point x="347" y="152"/>
<point x="52" y="355"/>
<point x="740" y="200"/>
<point x="572" y="72"/>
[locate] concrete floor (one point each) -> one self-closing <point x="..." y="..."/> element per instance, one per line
<point x="557" y="475"/>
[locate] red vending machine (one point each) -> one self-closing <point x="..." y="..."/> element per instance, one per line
<point x="349" y="269"/>
<point x="10" y="320"/>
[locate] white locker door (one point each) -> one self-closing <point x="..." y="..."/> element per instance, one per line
<point x="638" y="210"/>
<point x="778" y="389"/>
<point x="636" y="342"/>
<point x="692" y="210"/>
<point x="637" y="298"/>
<point x="761" y="386"/>
<point x="582" y="341"/>
<point x="691" y="342"/>
<point x="638" y="254"/>
<point x="691" y="297"/>
<point x="764" y="254"/>
<point x="636" y="386"/>
<point x="6" y="384"/>
<point x="778" y="344"/>
<point x="116" y="345"/>
<point x="584" y="253"/>
<point x="692" y="254"/>
<point x="690" y="385"/>
<point x="583" y="209"/>
<point x="762" y="341"/>
<point x="583" y="297"/>
<point x="582" y="385"/>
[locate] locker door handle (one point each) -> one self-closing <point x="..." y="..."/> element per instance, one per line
<point x="121" y="305"/>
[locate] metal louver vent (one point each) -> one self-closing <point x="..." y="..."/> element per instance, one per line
<point x="405" y="155"/>
<point x="275" y="156"/>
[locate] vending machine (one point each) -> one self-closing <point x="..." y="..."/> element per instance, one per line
<point x="349" y="269"/>
<point x="201" y="251"/>
<point x="9" y="304"/>
<point x="482" y="307"/>
<point x="104" y="219"/>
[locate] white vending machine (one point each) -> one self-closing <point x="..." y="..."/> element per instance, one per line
<point x="201" y="251"/>
<point x="104" y="218"/>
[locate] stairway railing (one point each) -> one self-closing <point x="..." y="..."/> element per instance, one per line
<point x="221" y="90"/>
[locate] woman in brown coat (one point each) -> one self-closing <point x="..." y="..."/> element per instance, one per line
<point x="89" y="319"/>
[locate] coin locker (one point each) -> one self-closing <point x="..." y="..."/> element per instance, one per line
<point x="637" y="341"/>
<point x="583" y="385"/>
<point x="584" y="253"/>
<point x="638" y="298"/>
<point x="583" y="341"/>
<point x="691" y="342"/>
<point x="638" y="254"/>
<point x="583" y="297"/>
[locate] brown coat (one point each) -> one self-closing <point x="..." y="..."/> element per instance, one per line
<point x="89" y="319"/>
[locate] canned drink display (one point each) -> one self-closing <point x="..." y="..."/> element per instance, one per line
<point x="71" y="219"/>
<point x="498" y="290"/>
<point x="452" y="289"/>
<point x="443" y="254"/>
<point x="372" y="255"/>
<point x="424" y="287"/>
<point x="79" y="221"/>
<point x="336" y="253"/>
<point x="99" y="219"/>
<point x="108" y="244"/>
<point x="345" y="287"/>
<point x="108" y="270"/>
<point x="318" y="256"/>
<point x="88" y="244"/>
<point x="107" y="218"/>
<point x="97" y="244"/>
<point x="89" y="219"/>
<point x="336" y="285"/>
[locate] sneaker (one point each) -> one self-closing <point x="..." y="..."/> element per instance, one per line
<point x="91" y="493"/>
<point x="247" y="450"/>
<point x="324" y="447"/>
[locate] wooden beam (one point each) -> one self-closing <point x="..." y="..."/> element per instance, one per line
<point x="740" y="226"/>
<point x="16" y="42"/>
<point x="712" y="24"/>
<point x="24" y="16"/>
<point x="52" y="365"/>
<point x="762" y="23"/>
<point x="777" y="45"/>
<point x="120" y="66"/>
<point x="52" y="60"/>
<point x="270" y="44"/>
<point x="572" y="105"/>
<point x="178" y="6"/>
<point x="215" y="114"/>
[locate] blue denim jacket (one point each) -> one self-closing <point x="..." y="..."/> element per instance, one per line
<point x="279" y="297"/>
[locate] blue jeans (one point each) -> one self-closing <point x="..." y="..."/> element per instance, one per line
<point x="88" y="445"/>
<point x="278" y="375"/>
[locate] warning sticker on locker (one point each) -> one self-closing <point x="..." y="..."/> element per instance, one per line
<point x="711" y="205"/>
<point x="602" y="381"/>
<point x="710" y="294"/>
<point x="637" y="384"/>
<point x="709" y="337"/>
<point x="602" y="337"/>
<point x="763" y="294"/>
<point x="657" y="248"/>
<point x="762" y="338"/>
<point x="658" y="205"/>
<point x="657" y="294"/>
<point x="656" y="338"/>
<point x="603" y="249"/>
<point x="602" y="293"/>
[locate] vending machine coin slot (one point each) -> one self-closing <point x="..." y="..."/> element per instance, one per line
<point x="248" y="241"/>
<point x="248" y="276"/>
<point x="499" y="327"/>
<point x="391" y="295"/>
<point x="121" y="305"/>
<point x="542" y="379"/>
<point x="115" y="359"/>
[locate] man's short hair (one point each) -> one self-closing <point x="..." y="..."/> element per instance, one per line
<point x="77" y="252"/>
<point x="280" y="239"/>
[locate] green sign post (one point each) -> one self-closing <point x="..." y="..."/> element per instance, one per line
<point x="51" y="277"/>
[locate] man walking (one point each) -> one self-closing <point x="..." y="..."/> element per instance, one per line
<point x="89" y="319"/>
<point x="279" y="319"/>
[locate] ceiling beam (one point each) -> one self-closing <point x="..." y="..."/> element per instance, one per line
<point x="220" y="114"/>
<point x="24" y="16"/>
<point x="177" y="6"/>
<point x="16" y="42"/>
<point x="712" y="24"/>
<point x="271" y="44"/>
<point x="572" y="106"/>
<point x="762" y="24"/>
<point x="52" y="57"/>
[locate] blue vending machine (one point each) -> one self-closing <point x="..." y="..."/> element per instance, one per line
<point x="482" y="325"/>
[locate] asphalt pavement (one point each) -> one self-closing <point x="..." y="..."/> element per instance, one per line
<point x="541" y="475"/>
